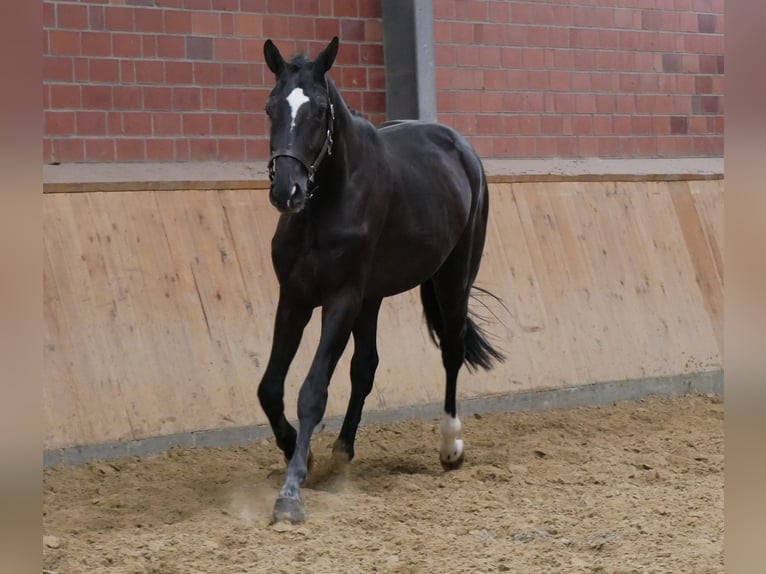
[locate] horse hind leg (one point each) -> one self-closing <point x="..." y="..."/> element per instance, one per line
<point x="446" y="308"/>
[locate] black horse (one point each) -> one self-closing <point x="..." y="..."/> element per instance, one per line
<point x="366" y="213"/>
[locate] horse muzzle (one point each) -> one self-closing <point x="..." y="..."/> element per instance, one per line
<point x="288" y="196"/>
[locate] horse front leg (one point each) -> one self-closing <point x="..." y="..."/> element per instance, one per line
<point x="338" y="318"/>
<point x="291" y="319"/>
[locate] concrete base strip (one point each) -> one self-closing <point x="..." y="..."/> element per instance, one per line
<point x="115" y="177"/>
<point x="584" y="395"/>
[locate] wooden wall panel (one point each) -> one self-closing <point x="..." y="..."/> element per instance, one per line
<point x="159" y="305"/>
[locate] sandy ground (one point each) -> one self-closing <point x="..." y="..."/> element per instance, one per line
<point x="635" y="487"/>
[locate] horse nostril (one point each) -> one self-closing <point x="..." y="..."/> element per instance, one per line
<point x="294" y="192"/>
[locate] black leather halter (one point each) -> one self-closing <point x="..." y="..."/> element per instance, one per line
<point x="326" y="150"/>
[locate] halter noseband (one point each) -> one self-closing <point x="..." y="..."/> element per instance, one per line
<point x="324" y="152"/>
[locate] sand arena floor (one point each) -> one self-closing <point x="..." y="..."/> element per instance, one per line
<point x="634" y="487"/>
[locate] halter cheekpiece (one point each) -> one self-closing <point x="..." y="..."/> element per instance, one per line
<point x="324" y="152"/>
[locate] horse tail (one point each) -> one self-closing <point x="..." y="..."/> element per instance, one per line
<point x="433" y="314"/>
<point x="479" y="352"/>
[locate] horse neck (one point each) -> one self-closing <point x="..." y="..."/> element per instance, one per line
<point x="344" y="133"/>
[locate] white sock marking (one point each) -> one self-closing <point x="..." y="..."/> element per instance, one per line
<point x="452" y="445"/>
<point x="296" y="99"/>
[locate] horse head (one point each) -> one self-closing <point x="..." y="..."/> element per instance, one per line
<point x="302" y="118"/>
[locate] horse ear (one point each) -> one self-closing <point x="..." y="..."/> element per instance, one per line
<point x="274" y="59"/>
<point x="326" y="57"/>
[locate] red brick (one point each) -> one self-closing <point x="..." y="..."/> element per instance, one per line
<point x="326" y="28"/>
<point x="181" y="149"/>
<point x="203" y="149"/>
<point x="113" y="123"/>
<point x="230" y="99"/>
<point x="148" y="20"/>
<point x="275" y="26"/>
<point x="150" y="71"/>
<point x="49" y="15"/>
<point x="107" y="71"/>
<point x="348" y="55"/>
<point x="206" y="23"/>
<point x="179" y="73"/>
<point x="97" y="97"/>
<point x="65" y="96"/>
<point x="353" y="78"/>
<point x="81" y="74"/>
<point x="371" y="54"/>
<point x="91" y="123"/>
<point x="149" y="46"/>
<point x="373" y="31"/>
<point x="551" y="124"/>
<point x="63" y="43"/>
<point x="352" y="30"/>
<point x="224" y="124"/>
<point x="170" y="47"/>
<point x="99" y="149"/>
<point x="608" y="147"/>
<point x="229" y="49"/>
<point x="57" y="69"/>
<point x="444" y="9"/>
<point x="537" y="80"/>
<point x="559" y="81"/>
<point x="304" y="28"/>
<point x="127" y="71"/>
<point x="198" y="4"/>
<point x="235" y="74"/>
<point x="133" y="149"/>
<point x="373" y="102"/>
<point x="196" y="124"/>
<point x="209" y="99"/>
<point x="251" y="124"/>
<point x="475" y="10"/>
<point x="166" y="124"/>
<point x="280" y="6"/>
<point x="208" y="74"/>
<point x="127" y="97"/>
<point x="546" y="147"/>
<point x="137" y="123"/>
<point x="660" y="125"/>
<point x="231" y="150"/>
<point x="72" y="16"/>
<point x="199" y="48"/>
<point x="185" y="99"/>
<point x="59" y="123"/>
<point x="248" y="25"/>
<point x="160" y="150"/>
<point x="345" y="9"/>
<point x="258" y="148"/>
<point x="532" y="58"/>
<point x="118" y="18"/>
<point x="157" y="98"/>
<point x="602" y="125"/>
<point x="367" y="9"/>
<point x="68" y="150"/>
<point x="126" y="45"/>
<point x="177" y="22"/>
<point x="376" y="79"/>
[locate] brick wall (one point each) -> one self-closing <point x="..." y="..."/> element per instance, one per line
<point x="181" y="80"/>
<point x="578" y="78"/>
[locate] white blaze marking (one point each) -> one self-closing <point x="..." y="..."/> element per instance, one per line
<point x="452" y="445"/>
<point x="296" y="99"/>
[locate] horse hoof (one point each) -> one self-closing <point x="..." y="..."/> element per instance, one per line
<point x="454" y="463"/>
<point x="288" y="510"/>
